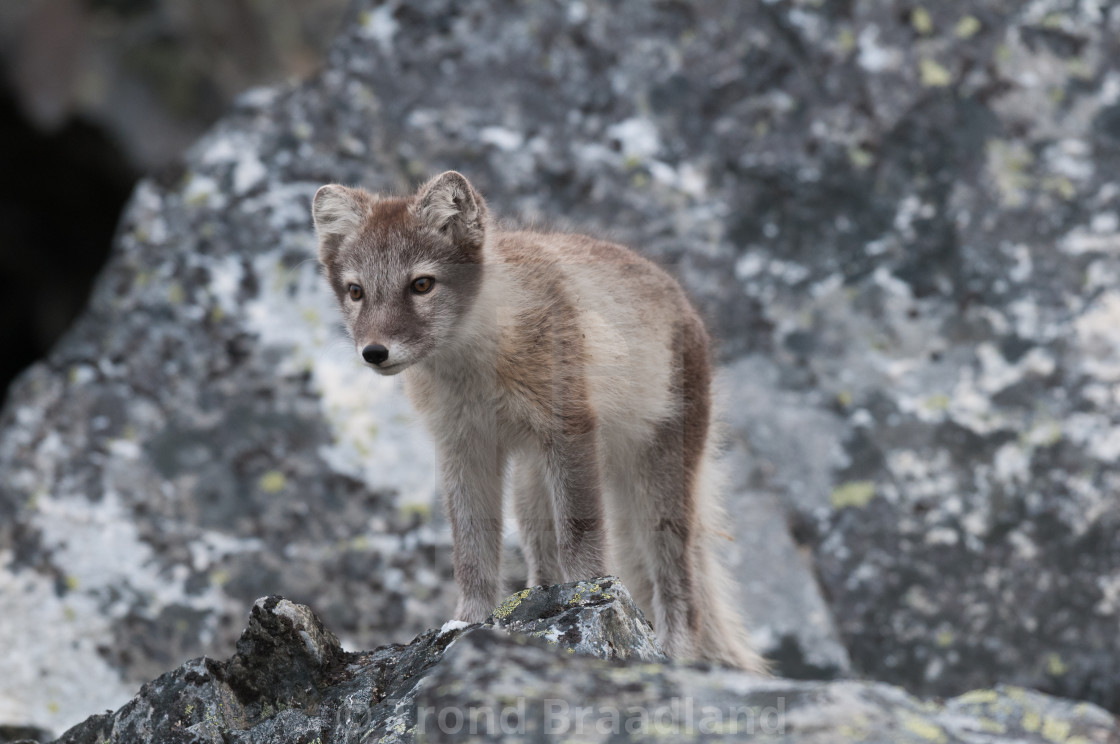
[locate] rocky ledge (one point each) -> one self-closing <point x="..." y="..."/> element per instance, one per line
<point x="574" y="660"/>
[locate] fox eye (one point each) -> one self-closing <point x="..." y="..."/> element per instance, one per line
<point x="355" y="292"/>
<point x="423" y="284"/>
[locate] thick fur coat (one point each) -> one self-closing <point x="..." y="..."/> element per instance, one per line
<point x="571" y="365"/>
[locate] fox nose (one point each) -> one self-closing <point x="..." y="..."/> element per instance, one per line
<point x="375" y="353"/>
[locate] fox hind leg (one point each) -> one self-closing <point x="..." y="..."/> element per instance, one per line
<point x="532" y="503"/>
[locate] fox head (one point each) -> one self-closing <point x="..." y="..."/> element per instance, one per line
<point x="406" y="271"/>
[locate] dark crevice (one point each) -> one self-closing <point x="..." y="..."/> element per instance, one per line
<point x="61" y="194"/>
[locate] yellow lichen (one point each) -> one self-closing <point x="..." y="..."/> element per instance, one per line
<point x="853" y="731"/>
<point x="273" y="482"/>
<point x="1055" y="21"/>
<point x="923" y="728"/>
<point x="856" y="494"/>
<point x="921" y="21"/>
<point x="1055" y="666"/>
<point x="422" y="511"/>
<point x="1061" y="186"/>
<point x="1031" y="722"/>
<point x="939" y="402"/>
<point x="979" y="697"/>
<point x="967" y="27"/>
<point x="1008" y="165"/>
<point x="175" y="293"/>
<point x="860" y="159"/>
<point x="511" y="603"/>
<point x="991" y="726"/>
<point x="933" y="74"/>
<point x="1079" y="69"/>
<point x="1055" y="730"/>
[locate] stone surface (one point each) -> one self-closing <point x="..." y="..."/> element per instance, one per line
<point x="291" y="679"/>
<point x="903" y="223"/>
<point x="587" y="680"/>
<point x="477" y="693"/>
<point x="22" y="734"/>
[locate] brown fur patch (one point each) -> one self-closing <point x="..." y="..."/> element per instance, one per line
<point x="694" y="378"/>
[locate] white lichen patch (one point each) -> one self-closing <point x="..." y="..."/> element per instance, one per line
<point x="1096" y="433"/>
<point x="997" y="375"/>
<point x="248" y="172"/>
<point x="1082" y="240"/>
<point x="1098" y="334"/>
<point x="969" y="401"/>
<point x="875" y="57"/>
<point x="380" y="25"/>
<point x="1012" y="464"/>
<point x="58" y="677"/>
<point x="200" y="190"/>
<point x="1109" y="603"/>
<point x="922" y="476"/>
<point x="637" y="137"/>
<point x="507" y="140"/>
<point x="107" y="568"/>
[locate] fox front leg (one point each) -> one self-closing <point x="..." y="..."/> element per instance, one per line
<point x="472" y="481"/>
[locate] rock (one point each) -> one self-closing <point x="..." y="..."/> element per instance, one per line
<point x="591" y="618"/>
<point x="290" y="677"/>
<point x="291" y="682"/>
<point x="22" y="735"/>
<point x="900" y="220"/>
<point x="479" y="687"/>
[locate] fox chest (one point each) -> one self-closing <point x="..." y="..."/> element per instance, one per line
<point x="477" y="406"/>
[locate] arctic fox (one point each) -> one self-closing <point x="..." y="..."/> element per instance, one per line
<point x="576" y="362"/>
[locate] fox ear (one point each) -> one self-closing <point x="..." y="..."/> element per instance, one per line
<point x="449" y="204"/>
<point x="338" y="212"/>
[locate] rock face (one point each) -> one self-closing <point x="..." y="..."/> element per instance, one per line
<point x="290" y="681"/>
<point x="902" y="222"/>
